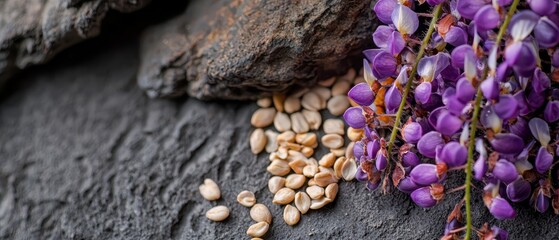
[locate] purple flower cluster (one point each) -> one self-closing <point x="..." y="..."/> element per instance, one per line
<point x="514" y="71"/>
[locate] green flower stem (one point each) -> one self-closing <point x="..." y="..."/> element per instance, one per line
<point x="473" y="128"/>
<point x="426" y="39"/>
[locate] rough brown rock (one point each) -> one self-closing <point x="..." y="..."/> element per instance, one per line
<point x="243" y="48"/>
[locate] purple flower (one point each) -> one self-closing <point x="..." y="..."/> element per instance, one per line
<point x="429" y="196"/>
<point x="425" y="174"/>
<point x="405" y="19"/>
<point x="411" y="132"/>
<point x="454" y="154"/>
<point x="464" y="90"/>
<point x="519" y="127"/>
<point x="555" y="58"/>
<point x="535" y="100"/>
<point x="406" y="185"/>
<point x="551" y="112"/>
<point x="430" y="67"/>
<point x="521" y="58"/>
<point x="487" y="18"/>
<point x="544" y="159"/>
<point x="358" y="149"/>
<point x="372" y="185"/>
<point x="507" y="107"/>
<point x="381" y="160"/>
<point x="362" y="94"/>
<point x="456" y="36"/>
<point x="392" y="99"/>
<point x="546" y="33"/>
<point x="540" y="81"/>
<point x="434" y="2"/>
<point x="381" y="35"/>
<point x="499" y="234"/>
<point x="422" y="92"/>
<point x="459" y="54"/>
<point x="489" y="119"/>
<point x="505" y="171"/>
<point x="501" y="209"/>
<point x="384" y="65"/>
<point x="360" y="175"/>
<point x="490" y="89"/>
<point x="540" y="130"/>
<point x="519" y="190"/>
<point x="452" y="225"/>
<point x="469" y="8"/>
<point x="410" y="159"/>
<point x="543" y="7"/>
<point x="522" y="24"/>
<point x="480" y="167"/>
<point x="455" y="106"/>
<point x="522" y="103"/>
<point x="395" y="43"/>
<point x="503" y="71"/>
<point x="383" y="9"/>
<point x="428" y="143"/>
<point x="354" y="117"/>
<point x="448" y="124"/>
<point x="372" y="148"/>
<point x="507" y="143"/>
<point x="542" y="201"/>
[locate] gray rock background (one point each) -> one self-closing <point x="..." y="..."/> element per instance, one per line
<point x="84" y="154"/>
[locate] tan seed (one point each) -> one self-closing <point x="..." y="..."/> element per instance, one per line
<point x="263" y="117"/>
<point x="298" y="165"/>
<point x="312" y="161"/>
<point x="333" y="126"/>
<point x="258" y="141"/>
<point x="292" y="104"/>
<point x="325" y="169"/>
<point x="337" y="105"/>
<point x="218" y="213"/>
<point x="307" y="139"/>
<point x="338" y="165"/>
<point x="299" y="123"/>
<point x="278" y="168"/>
<point x="299" y="92"/>
<point x="275" y="184"/>
<point x="283" y="152"/>
<point x="354" y="134"/>
<point x="349" y="150"/>
<point x="315" y="192"/>
<point x="310" y="170"/>
<point x="295" y="181"/>
<point x="209" y="190"/>
<point x="296" y="155"/>
<point x="246" y="198"/>
<point x="274" y="156"/>
<point x="323" y="92"/>
<point x="264" y="102"/>
<point x="322" y="179"/>
<point x="272" y="143"/>
<point x="328" y="82"/>
<point x="311" y="101"/>
<point x="327" y="160"/>
<point x="260" y="213"/>
<point x="313" y="118"/>
<point x="307" y="151"/>
<point x="282" y="122"/>
<point x="338" y="152"/>
<point x="291" y="215"/>
<point x="284" y="196"/>
<point x="331" y="191"/>
<point x="311" y="182"/>
<point x="288" y="136"/>
<point x="278" y="99"/>
<point x="258" y="229"/>
<point x="340" y="88"/>
<point x="349" y="76"/>
<point x="353" y="104"/>
<point x="349" y="170"/>
<point x="319" y="203"/>
<point x="302" y="202"/>
<point x="332" y="141"/>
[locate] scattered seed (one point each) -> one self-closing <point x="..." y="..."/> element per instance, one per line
<point x="302" y="202"/>
<point x="258" y="229"/>
<point x="323" y="92"/>
<point x="258" y="141"/>
<point x="209" y="190"/>
<point x="325" y="169"/>
<point x="274" y="156"/>
<point x="315" y="192"/>
<point x="340" y="88"/>
<point x="218" y="213"/>
<point x="263" y="117"/>
<point x="338" y="165"/>
<point x="312" y="161"/>
<point x="298" y="165"/>
<point x="292" y="146"/>
<point x="278" y="99"/>
<point x="311" y="182"/>
<point x="307" y="139"/>
<point x="295" y="181"/>
<point x="307" y="151"/>
<point x="349" y="170"/>
<point x="354" y="134"/>
<point x="349" y="150"/>
<point x="291" y="215"/>
<point x="327" y="160"/>
<point x="283" y="152"/>
<point x="332" y="141"/>
<point x="349" y="76"/>
<point x="284" y="196"/>
<point x="311" y="101"/>
<point x="264" y="102"/>
<point x="296" y="155"/>
<point x="319" y="203"/>
<point x="271" y="143"/>
<point x="331" y="191"/>
<point x="246" y="198"/>
<point x="299" y="123"/>
<point x="322" y="179"/>
<point x="337" y="105"/>
<point x="310" y="170"/>
<point x="333" y="126"/>
<point x="275" y="184"/>
<point x="328" y="82"/>
<point x="278" y="168"/>
<point x="338" y="152"/>
<point x="260" y="213"/>
<point x="287" y="136"/>
<point x="282" y="122"/>
<point x="292" y="104"/>
<point x="314" y="119"/>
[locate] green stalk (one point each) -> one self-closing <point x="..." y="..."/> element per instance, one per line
<point x="473" y="128"/>
<point x="426" y="39"/>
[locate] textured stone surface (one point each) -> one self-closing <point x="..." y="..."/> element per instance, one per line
<point x="86" y="155"/>
<point x="243" y="48"/>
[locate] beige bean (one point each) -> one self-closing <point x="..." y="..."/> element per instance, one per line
<point x="327" y="160"/>
<point x="323" y="92"/>
<point x="292" y="104"/>
<point x="218" y="213"/>
<point x="338" y="165"/>
<point x="278" y="99"/>
<point x="271" y="143"/>
<point x="310" y="170"/>
<point x="319" y="203"/>
<point x="295" y="181"/>
<point x="337" y="105"/>
<point x="263" y="117"/>
<point x="307" y="139"/>
<point x="298" y="165"/>
<point x="311" y="101"/>
<point x="298" y="123"/>
<point x="276" y="183"/>
<point x="331" y="191"/>
<point x="284" y="196"/>
<point x="302" y="202"/>
<point x="349" y="150"/>
<point x="209" y="190"/>
<point x="296" y="155"/>
<point x="282" y="122"/>
<point x="246" y="198"/>
<point x="287" y="136"/>
<point x="338" y="152"/>
<point x="322" y="179"/>
<point x="307" y="151"/>
<point x="349" y="76"/>
<point x="328" y="82"/>
<point x="340" y="88"/>
<point x="314" y="119"/>
<point x="333" y="126"/>
<point x="264" y="102"/>
<point x="358" y="80"/>
<point x="291" y="215"/>
<point x="315" y="192"/>
<point x="349" y="169"/>
<point x="278" y="168"/>
<point x="258" y="229"/>
<point x="258" y="141"/>
<point x="332" y="141"/>
<point x="354" y="134"/>
<point x="260" y="213"/>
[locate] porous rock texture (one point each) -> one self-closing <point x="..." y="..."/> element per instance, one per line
<point x="242" y="49"/>
<point x="84" y="154"/>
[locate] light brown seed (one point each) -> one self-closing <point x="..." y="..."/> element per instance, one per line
<point x="291" y="215"/>
<point x="264" y="102"/>
<point x="298" y="123"/>
<point x="332" y="141"/>
<point x="295" y="181"/>
<point x="311" y="182"/>
<point x="246" y="198"/>
<point x="272" y="143"/>
<point x="352" y="103"/>
<point x="283" y="152"/>
<point x="291" y="146"/>
<point x="278" y="168"/>
<point x="323" y="92"/>
<point x="292" y="104"/>
<point x="209" y="190"/>
<point x="331" y="191"/>
<point x="327" y="160"/>
<point x="349" y="150"/>
<point x="295" y="155"/>
<point x="306" y="139"/>
<point x="311" y="101"/>
<point x="218" y="213"/>
<point x="322" y="179"/>
<point x="260" y="213"/>
<point x="328" y="82"/>
<point x="315" y="192"/>
<point x="354" y="134"/>
<point x="287" y="136"/>
<point x="258" y="141"/>
<point x="325" y="169"/>
<point x="275" y="184"/>
<point x="282" y="122"/>
<point x="349" y="76"/>
<point x="333" y="126"/>
<point x="338" y="165"/>
<point x="298" y="165"/>
<point x="310" y="170"/>
<point x="299" y="92"/>
<point x="312" y="161"/>
<point x="338" y="152"/>
<point x="337" y="105"/>
<point x="274" y="156"/>
<point x="349" y="169"/>
<point x="278" y="99"/>
<point x="302" y="202"/>
<point x="263" y="117"/>
<point x="284" y="196"/>
<point x="258" y="229"/>
<point x="307" y="151"/>
<point x="340" y="88"/>
<point x="319" y="203"/>
<point x="314" y="119"/>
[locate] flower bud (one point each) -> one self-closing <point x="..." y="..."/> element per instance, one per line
<point x="362" y="94"/>
<point x="392" y="99"/>
<point x="429" y="196"/>
<point x="469" y="8"/>
<point x="546" y="33"/>
<point x="372" y="148"/>
<point x="507" y="107"/>
<point x="480" y="167"/>
<point x="395" y="43"/>
<point x="501" y="209"/>
<point x="384" y="65"/>
<point x="423" y="92"/>
<point x="454" y="154"/>
<point x="372" y="185"/>
<point x="361" y="175"/>
<point x="410" y="159"/>
<point x="507" y="143"/>
<point x="540" y="80"/>
<point x="487" y="18"/>
<point x="411" y="132"/>
<point x="383" y="10"/>
<point x="505" y="171"/>
<point x="551" y="111"/>
<point x="542" y="202"/>
<point x="464" y="90"/>
<point x="543" y="7"/>
<point x="428" y="143"/>
<point x="459" y="53"/>
<point x="381" y="160"/>
<point x="456" y="36"/>
<point x="358" y="149"/>
<point x="407" y="185"/>
<point x="519" y="190"/>
<point x="490" y="89"/>
<point x="381" y="35"/>
<point x="544" y="159"/>
<point x="448" y="124"/>
<point x="354" y="117"/>
<point x="425" y="174"/>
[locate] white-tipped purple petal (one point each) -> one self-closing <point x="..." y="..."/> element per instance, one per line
<point x="540" y="80"/>
<point x="480" y="168"/>
<point x="522" y="24"/>
<point x="430" y="67"/>
<point x="422" y="92"/>
<point x="546" y="33"/>
<point x="383" y="9"/>
<point x="381" y="35"/>
<point x="405" y="19"/>
<point x="490" y="89"/>
<point x="544" y="159"/>
<point x="395" y="43"/>
<point x="540" y="130"/>
<point x="489" y="119"/>
<point x="368" y="72"/>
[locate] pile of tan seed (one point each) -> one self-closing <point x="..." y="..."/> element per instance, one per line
<point x="298" y="177"/>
